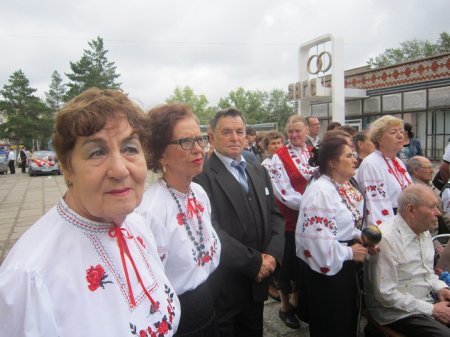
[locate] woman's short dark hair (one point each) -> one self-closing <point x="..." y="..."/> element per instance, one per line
<point x="160" y="125"/>
<point x="88" y="113"/>
<point x="330" y="150"/>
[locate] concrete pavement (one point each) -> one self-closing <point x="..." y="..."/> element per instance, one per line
<point x="24" y="199"/>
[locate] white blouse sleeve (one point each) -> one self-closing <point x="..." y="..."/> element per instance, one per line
<point x="315" y="236"/>
<point x="282" y="188"/>
<point x="379" y="205"/>
<point x="25" y="305"/>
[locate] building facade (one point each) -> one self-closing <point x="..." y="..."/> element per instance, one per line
<point x="417" y="92"/>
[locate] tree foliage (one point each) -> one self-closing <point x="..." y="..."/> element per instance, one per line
<point x="198" y="103"/>
<point x="260" y="106"/>
<point x="92" y="70"/>
<point x="411" y="50"/>
<point x="27" y="118"/>
<point x="54" y="97"/>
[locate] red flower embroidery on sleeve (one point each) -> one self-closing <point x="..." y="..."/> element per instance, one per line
<point x="385" y="212"/>
<point x="324" y="270"/>
<point x="283" y="191"/>
<point x="307" y="253"/>
<point x="378" y="222"/>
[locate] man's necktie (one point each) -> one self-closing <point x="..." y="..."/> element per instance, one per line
<point x="241" y="169"/>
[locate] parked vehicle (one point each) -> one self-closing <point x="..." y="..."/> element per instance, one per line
<point x="43" y="162"/>
<point x="3" y="162"/>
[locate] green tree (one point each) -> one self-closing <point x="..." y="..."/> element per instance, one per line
<point x="198" y="103"/>
<point x="54" y="97"/>
<point x="92" y="70"/>
<point x="250" y="103"/>
<point x="411" y="50"/>
<point x="279" y="107"/>
<point x="27" y="117"/>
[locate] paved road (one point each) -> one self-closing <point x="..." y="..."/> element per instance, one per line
<point x="25" y="199"/>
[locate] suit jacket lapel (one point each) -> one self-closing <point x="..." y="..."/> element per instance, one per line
<point x="235" y="195"/>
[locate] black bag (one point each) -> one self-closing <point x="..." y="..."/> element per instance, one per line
<point x="437" y="181"/>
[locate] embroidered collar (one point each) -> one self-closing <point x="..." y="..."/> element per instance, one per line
<point x="81" y="222"/>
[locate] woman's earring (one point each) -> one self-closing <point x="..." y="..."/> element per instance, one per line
<point x="164" y="169"/>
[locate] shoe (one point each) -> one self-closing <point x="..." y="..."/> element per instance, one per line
<point x="289" y="319"/>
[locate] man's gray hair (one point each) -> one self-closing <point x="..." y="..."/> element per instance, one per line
<point x="413" y="164"/>
<point x="411" y="195"/>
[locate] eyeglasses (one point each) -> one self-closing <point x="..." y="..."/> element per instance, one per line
<point x="188" y="143"/>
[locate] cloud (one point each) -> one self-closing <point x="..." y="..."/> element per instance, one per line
<point x="213" y="46"/>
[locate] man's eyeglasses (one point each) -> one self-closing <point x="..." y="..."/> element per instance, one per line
<point x="188" y="143"/>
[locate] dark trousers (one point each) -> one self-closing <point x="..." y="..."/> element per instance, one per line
<point x="12" y="167"/>
<point x="289" y="269"/>
<point x="24" y="166"/>
<point x="247" y="323"/>
<point x="237" y="313"/>
<point x="420" y="326"/>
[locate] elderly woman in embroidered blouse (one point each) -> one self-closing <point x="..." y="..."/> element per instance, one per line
<point x="88" y="267"/>
<point x="179" y="211"/>
<point x="328" y="243"/>
<point x="382" y="174"/>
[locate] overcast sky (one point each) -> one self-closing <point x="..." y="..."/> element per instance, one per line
<point x="212" y="46"/>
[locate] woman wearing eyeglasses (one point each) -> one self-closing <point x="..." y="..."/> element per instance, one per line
<point x="179" y="214"/>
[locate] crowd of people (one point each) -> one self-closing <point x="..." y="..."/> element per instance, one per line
<point x="230" y="215"/>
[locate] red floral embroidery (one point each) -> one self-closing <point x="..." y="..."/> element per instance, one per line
<point x="307" y="253"/>
<point x="96" y="277"/>
<point x="141" y="241"/>
<point x="206" y="259"/>
<point x="385" y="212"/>
<point x="378" y="222"/>
<point x="283" y="191"/>
<point x="368" y="212"/>
<point x="324" y="270"/>
<point x="162" y="327"/>
<point x="180" y="219"/>
<point x="297" y="161"/>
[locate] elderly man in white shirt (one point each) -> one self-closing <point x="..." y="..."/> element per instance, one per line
<point x="399" y="281"/>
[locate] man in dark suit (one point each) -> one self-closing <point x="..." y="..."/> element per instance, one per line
<point x="249" y="225"/>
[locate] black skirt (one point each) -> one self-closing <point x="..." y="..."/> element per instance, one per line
<point x="329" y="303"/>
<point x="197" y="313"/>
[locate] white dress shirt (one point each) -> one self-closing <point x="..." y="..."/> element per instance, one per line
<point x="399" y="279"/>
